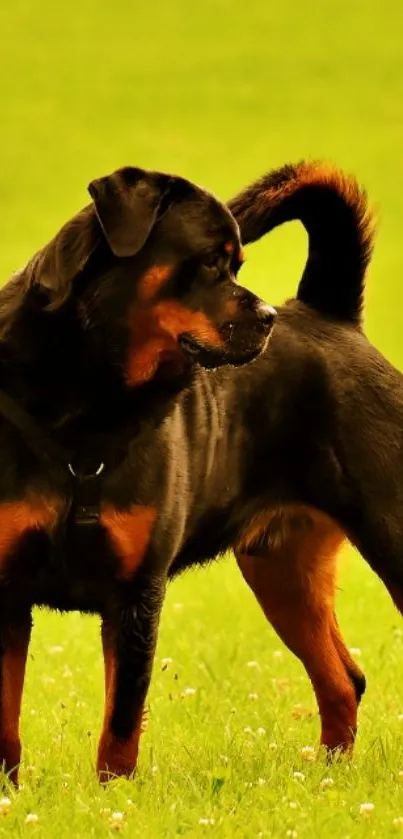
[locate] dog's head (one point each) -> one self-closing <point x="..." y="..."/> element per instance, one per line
<point x="152" y="265"/>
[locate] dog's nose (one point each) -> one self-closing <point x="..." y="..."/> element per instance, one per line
<point x="266" y="314"/>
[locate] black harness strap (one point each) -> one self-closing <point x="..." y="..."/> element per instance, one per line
<point x="43" y="446"/>
<point x="85" y="487"/>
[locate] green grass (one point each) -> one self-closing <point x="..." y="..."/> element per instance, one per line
<point x="217" y="91"/>
<point x="210" y="754"/>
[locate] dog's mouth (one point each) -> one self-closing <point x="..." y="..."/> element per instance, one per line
<point x="211" y="357"/>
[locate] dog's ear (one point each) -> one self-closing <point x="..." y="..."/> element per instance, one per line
<point x="52" y="270"/>
<point x="127" y="205"/>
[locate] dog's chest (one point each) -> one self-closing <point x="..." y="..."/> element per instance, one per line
<point x="48" y="559"/>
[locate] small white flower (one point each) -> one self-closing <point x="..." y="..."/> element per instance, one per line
<point x="117" y="820"/>
<point x="326" y="783"/>
<point x="273" y="746"/>
<point x="56" y="649"/>
<point x="252" y="664"/>
<point x="206" y="821"/>
<point x="261" y="731"/>
<point x="154" y="770"/>
<point x="261" y="782"/>
<point x="165" y="662"/>
<point x="117" y="817"/>
<point x="308" y="753"/>
<point x="299" y="776"/>
<point x="293" y="805"/>
<point x="5" y="804"/>
<point x="292" y="834"/>
<point x="253" y="696"/>
<point x="188" y="692"/>
<point x="248" y="730"/>
<point x="366" y="808"/>
<point x="355" y="651"/>
<point x="277" y="654"/>
<point x="31" y="818"/>
<point x="224" y="759"/>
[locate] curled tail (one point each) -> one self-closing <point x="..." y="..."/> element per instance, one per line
<point x="340" y="226"/>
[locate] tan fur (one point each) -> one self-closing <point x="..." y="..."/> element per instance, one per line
<point x="292" y="573"/>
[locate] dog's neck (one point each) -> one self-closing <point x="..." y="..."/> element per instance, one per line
<point x="59" y="372"/>
<point x="44" y="359"/>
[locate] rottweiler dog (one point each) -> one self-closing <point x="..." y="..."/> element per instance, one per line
<point x="173" y="463"/>
<point x="99" y="333"/>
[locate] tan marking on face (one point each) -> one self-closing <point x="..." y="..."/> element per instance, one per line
<point x="174" y="319"/>
<point x="155" y="334"/>
<point x="129" y="533"/>
<point x="145" y="361"/>
<point x="153" y="280"/>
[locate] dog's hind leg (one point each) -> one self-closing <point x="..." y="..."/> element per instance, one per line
<point x="290" y="566"/>
<point x="14" y="641"/>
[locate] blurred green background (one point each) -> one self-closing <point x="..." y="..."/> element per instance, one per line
<point x="219" y="92"/>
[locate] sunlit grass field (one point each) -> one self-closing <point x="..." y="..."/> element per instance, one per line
<point x="218" y="92"/>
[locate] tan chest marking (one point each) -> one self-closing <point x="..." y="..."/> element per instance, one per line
<point x="129" y="534"/>
<point x="18" y="517"/>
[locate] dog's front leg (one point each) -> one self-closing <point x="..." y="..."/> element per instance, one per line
<point x="14" y="641"/>
<point x="129" y="639"/>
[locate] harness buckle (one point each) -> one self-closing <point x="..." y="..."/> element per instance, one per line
<point x="86" y="496"/>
